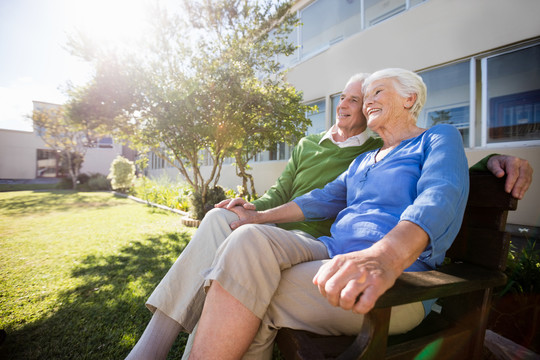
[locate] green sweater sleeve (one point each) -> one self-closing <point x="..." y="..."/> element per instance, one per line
<point x="482" y="164"/>
<point x="280" y="192"/>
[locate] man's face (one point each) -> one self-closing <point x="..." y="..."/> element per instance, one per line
<point x="349" y="110"/>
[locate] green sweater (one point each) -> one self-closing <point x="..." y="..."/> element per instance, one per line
<point x="312" y="165"/>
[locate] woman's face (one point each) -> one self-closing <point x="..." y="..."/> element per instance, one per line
<point x="382" y="103"/>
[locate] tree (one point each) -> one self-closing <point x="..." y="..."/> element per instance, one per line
<point x="205" y="86"/>
<point x="61" y="133"/>
<point x="441" y="117"/>
<point x="255" y="106"/>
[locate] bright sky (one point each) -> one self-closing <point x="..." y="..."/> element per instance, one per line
<point x="34" y="64"/>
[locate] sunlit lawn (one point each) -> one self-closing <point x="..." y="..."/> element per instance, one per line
<point x="76" y="269"/>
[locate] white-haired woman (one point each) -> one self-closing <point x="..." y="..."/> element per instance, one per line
<point x="397" y="209"/>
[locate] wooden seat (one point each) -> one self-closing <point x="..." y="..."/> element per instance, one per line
<point x="464" y="287"/>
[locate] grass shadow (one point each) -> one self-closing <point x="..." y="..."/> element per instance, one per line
<point x="104" y="316"/>
<point x="57" y="201"/>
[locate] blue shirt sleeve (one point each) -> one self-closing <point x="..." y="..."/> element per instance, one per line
<point x="325" y="203"/>
<point x="442" y="192"/>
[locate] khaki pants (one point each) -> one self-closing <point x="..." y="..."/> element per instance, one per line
<point x="180" y="294"/>
<point x="270" y="271"/>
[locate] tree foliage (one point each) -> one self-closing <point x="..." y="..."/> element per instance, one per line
<point x="61" y="133"/>
<point x="202" y="86"/>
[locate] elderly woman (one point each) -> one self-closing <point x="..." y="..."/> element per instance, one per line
<point x="397" y="209"/>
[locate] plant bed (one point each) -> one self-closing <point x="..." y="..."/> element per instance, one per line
<point x="515" y="310"/>
<point x="517" y="317"/>
<point x="186" y="221"/>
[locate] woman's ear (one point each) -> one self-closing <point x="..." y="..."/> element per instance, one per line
<point x="409" y="101"/>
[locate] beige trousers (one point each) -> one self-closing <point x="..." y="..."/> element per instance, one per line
<point x="270" y="271"/>
<point x="180" y="294"/>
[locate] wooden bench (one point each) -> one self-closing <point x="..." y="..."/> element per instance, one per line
<point x="464" y="287"/>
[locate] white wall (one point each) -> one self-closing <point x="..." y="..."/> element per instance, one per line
<point x="98" y="160"/>
<point x="18" y="154"/>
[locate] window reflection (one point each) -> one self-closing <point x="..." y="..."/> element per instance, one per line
<point x="448" y="93"/>
<point x="513" y="90"/>
<point x="318" y="118"/>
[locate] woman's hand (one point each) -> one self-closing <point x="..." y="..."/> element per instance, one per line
<point x="355" y="281"/>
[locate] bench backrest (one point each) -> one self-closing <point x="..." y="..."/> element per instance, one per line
<point x="482" y="239"/>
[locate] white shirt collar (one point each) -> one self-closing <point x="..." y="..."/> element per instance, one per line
<point x="356" y="140"/>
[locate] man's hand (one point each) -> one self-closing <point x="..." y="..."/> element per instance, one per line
<point x="245" y="211"/>
<point x="231" y="203"/>
<point x="518" y="173"/>
<point x="355" y="281"/>
<point x="245" y="216"/>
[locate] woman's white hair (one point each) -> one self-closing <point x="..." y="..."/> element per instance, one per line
<point x="405" y="82"/>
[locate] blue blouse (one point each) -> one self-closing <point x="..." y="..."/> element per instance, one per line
<point x="424" y="180"/>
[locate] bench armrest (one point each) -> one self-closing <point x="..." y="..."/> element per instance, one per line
<point x="451" y="279"/>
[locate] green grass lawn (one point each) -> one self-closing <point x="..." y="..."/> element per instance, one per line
<point x="76" y="269"/>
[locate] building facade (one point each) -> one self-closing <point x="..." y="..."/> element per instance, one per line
<point x="480" y="60"/>
<point x="24" y="155"/>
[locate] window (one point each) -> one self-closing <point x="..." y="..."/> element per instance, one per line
<point x="448" y="98"/>
<point x="47" y="163"/>
<point x="326" y="22"/>
<point x="318" y="118"/>
<point x="379" y="10"/>
<point x="510" y="97"/>
<point x="280" y="152"/>
<point x="512" y="101"/>
<point x="334" y="99"/>
<point x="105" y="142"/>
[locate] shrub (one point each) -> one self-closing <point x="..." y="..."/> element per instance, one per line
<point x="199" y="208"/>
<point x="164" y="192"/>
<point x="523" y="269"/>
<point x="122" y="174"/>
<point x="83" y="179"/>
<point x="65" y="183"/>
<point x="98" y="182"/>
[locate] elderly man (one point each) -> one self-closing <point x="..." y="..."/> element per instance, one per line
<point x="317" y="159"/>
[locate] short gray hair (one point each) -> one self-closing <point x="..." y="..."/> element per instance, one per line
<point x="406" y="83"/>
<point x="357" y="77"/>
